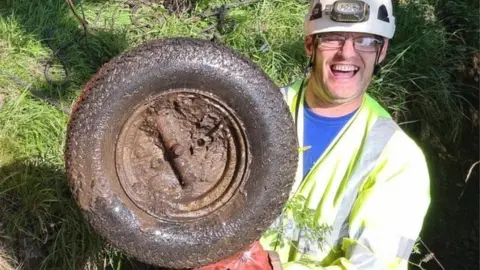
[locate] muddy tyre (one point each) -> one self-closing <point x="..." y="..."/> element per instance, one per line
<point x="180" y="152"/>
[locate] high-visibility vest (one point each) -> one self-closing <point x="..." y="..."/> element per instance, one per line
<point x="363" y="203"/>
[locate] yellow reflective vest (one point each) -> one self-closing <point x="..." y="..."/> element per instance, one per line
<point x="362" y="205"/>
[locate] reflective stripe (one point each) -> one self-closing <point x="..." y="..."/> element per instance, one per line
<point x="361" y="255"/>
<point x="377" y="139"/>
<point x="405" y="247"/>
<point x="362" y="258"/>
<point x="368" y="237"/>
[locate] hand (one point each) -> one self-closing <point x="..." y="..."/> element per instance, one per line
<point x="254" y="258"/>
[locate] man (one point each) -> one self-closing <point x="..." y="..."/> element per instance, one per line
<point x="362" y="188"/>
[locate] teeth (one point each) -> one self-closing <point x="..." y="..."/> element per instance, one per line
<point x="344" y="67"/>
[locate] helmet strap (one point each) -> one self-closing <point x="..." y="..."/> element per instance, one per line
<point x="377" y="69"/>
<point x="311" y="60"/>
<point x="308" y="68"/>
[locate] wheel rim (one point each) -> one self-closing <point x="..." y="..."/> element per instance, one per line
<point x="182" y="155"/>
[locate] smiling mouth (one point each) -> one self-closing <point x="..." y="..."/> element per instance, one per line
<point x="344" y="71"/>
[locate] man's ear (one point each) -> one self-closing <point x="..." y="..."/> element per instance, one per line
<point x="308" y="45"/>
<point x="383" y="53"/>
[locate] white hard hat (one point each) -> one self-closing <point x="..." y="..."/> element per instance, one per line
<point x="367" y="16"/>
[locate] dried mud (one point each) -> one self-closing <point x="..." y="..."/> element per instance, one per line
<point x="178" y="156"/>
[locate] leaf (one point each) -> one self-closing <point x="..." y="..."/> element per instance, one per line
<point x="304" y="148"/>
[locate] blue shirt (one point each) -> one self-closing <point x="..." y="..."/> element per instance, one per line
<point x="319" y="132"/>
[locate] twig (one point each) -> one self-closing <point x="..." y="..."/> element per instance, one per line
<point x="37" y="93"/>
<point x="470" y="171"/>
<point x="430" y="255"/>
<point x="467" y="178"/>
<point x="419" y="265"/>
<point x="224" y="8"/>
<point x="408" y="122"/>
<point x="208" y="28"/>
<point x="82" y="21"/>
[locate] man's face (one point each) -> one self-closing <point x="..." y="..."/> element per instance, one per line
<point x="342" y="73"/>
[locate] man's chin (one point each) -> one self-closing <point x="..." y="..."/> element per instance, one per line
<point x="340" y="96"/>
<point x="343" y="92"/>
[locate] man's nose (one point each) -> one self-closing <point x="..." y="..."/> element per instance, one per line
<point x="347" y="50"/>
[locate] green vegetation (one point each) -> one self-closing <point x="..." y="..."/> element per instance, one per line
<point x="434" y="44"/>
<point x="305" y="222"/>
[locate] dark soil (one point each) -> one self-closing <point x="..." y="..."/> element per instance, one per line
<point x="451" y="228"/>
<point x="178" y="6"/>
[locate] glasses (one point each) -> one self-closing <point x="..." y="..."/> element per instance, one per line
<point x="364" y="44"/>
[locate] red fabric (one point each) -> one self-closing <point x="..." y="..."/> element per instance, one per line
<point x="254" y="258"/>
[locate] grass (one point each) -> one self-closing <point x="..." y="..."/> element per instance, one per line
<point x="6" y="262"/>
<point x="416" y="85"/>
<point x="418" y="81"/>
